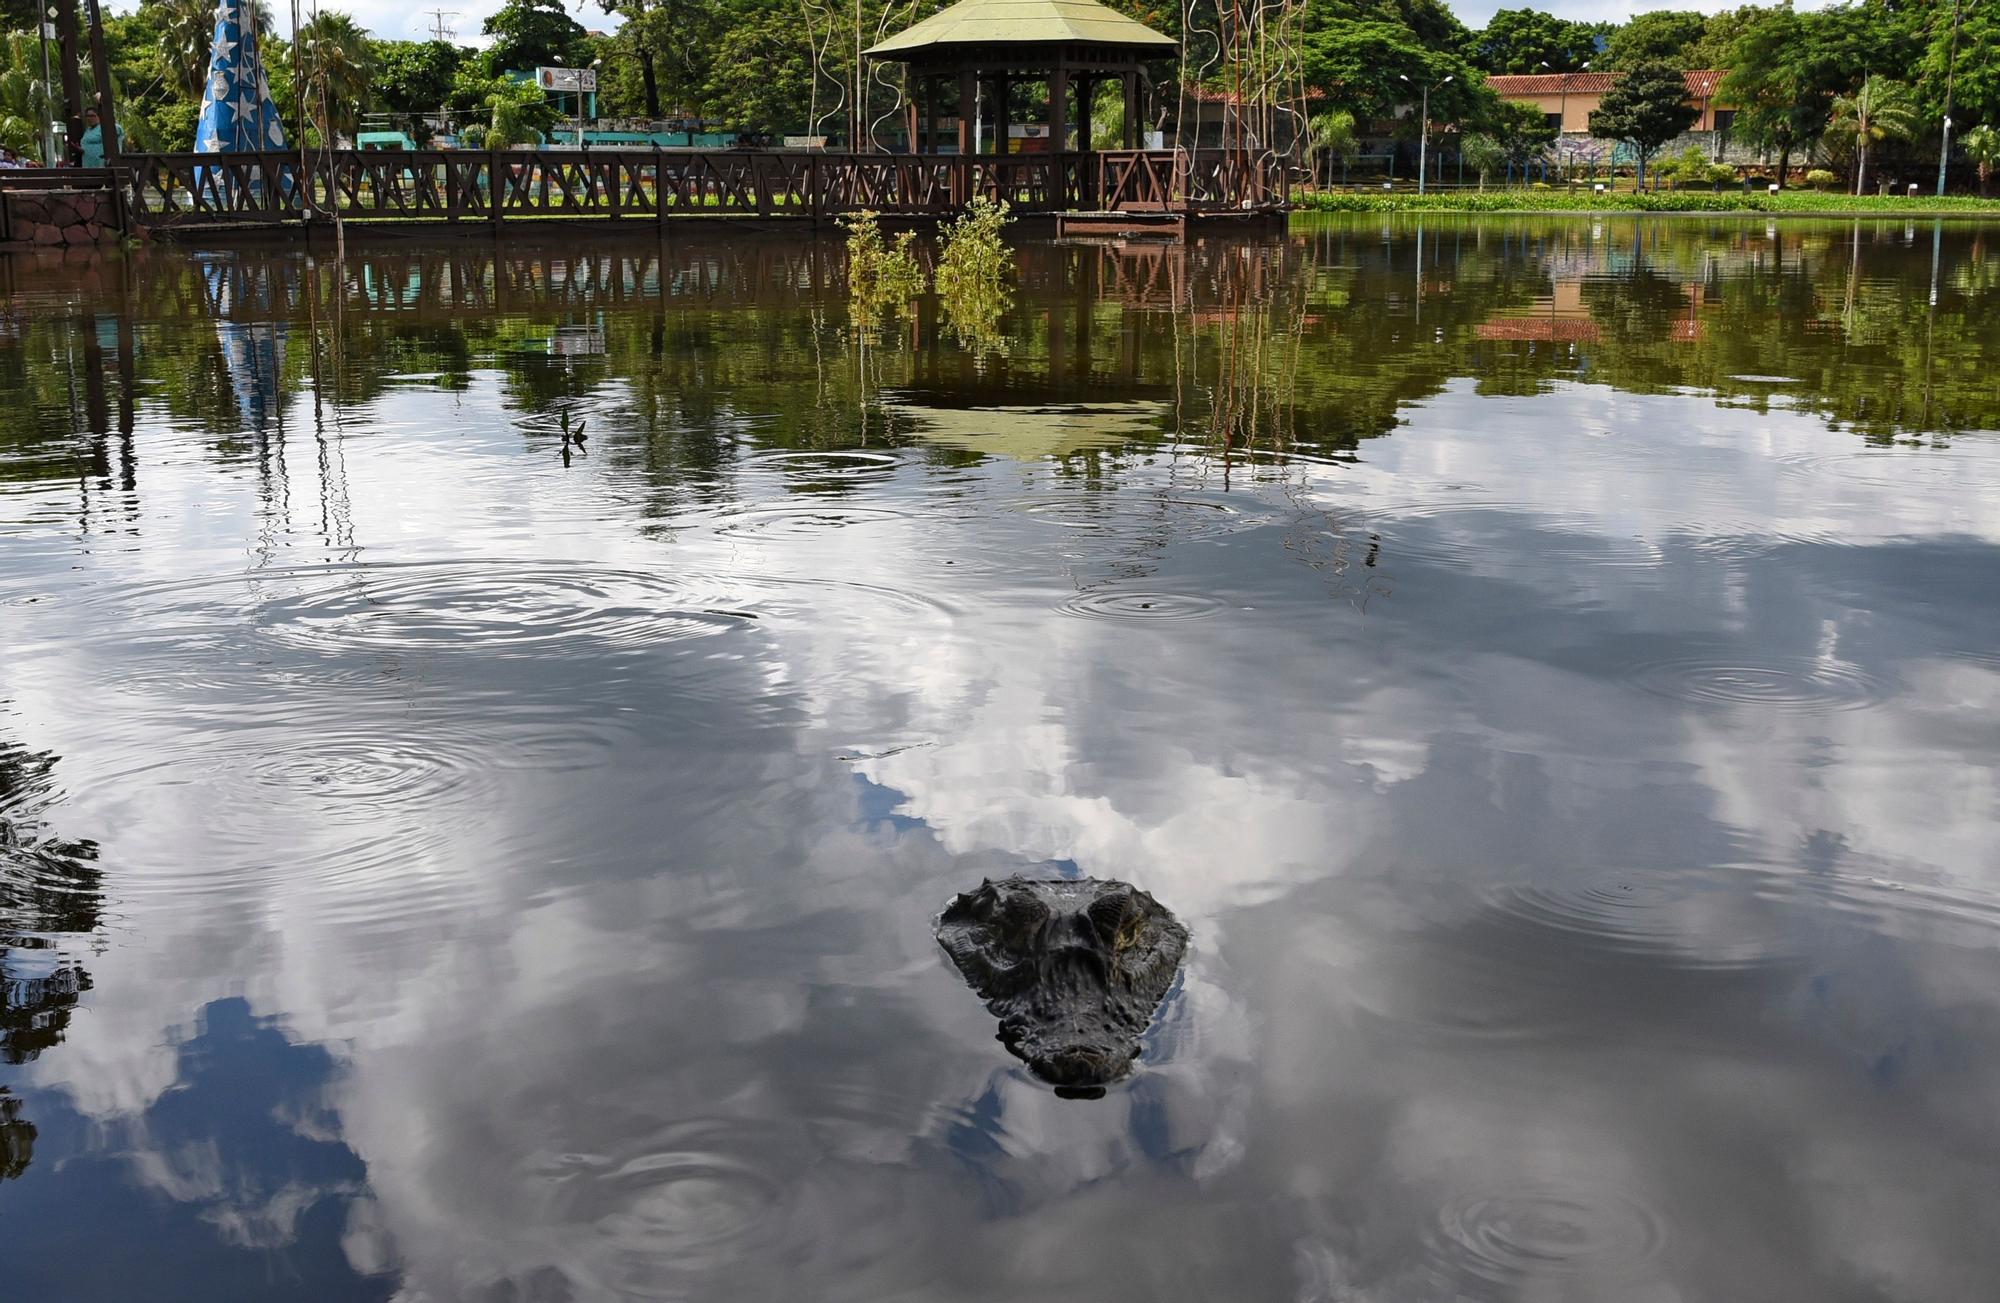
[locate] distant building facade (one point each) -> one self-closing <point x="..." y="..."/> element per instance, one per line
<point x="1569" y="98"/>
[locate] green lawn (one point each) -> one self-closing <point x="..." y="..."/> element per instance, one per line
<point x="1815" y="202"/>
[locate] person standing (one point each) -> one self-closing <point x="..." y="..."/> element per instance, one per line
<point x="93" y="140"/>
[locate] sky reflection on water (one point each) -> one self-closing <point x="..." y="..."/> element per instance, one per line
<point x="1548" y="665"/>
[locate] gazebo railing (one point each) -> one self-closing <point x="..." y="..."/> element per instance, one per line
<point x="460" y="185"/>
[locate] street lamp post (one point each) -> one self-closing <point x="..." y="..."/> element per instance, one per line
<point x="1951" y="67"/>
<point x="1423" y="128"/>
<point x="1562" y="104"/>
<point x="46" y="122"/>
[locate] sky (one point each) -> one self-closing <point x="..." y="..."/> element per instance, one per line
<point x="399" y="20"/>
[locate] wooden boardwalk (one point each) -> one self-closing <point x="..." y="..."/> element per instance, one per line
<point x="197" y="191"/>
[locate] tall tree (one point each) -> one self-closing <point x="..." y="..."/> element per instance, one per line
<point x="637" y="34"/>
<point x="1661" y="36"/>
<point x="1771" y="75"/>
<point x="530" y="34"/>
<point x="1962" y="46"/>
<point x="1881" y="110"/>
<point x="335" y="71"/>
<point x="1645" y="109"/>
<point x="1528" y="40"/>
<point x="415" y="77"/>
<point x="1375" y="69"/>
<point x="1522" y="132"/>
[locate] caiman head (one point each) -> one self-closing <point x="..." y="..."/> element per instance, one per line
<point x="1072" y="968"/>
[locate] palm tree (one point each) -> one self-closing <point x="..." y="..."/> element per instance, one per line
<point x="336" y="67"/>
<point x="1982" y="146"/>
<point x="1330" y="134"/>
<point x="187" y="34"/>
<point x="1881" y="110"/>
<point x="25" y="101"/>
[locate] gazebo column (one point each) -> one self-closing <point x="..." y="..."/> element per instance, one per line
<point x="1131" y="110"/>
<point x="1086" y="89"/>
<point x="1002" y="85"/>
<point x="968" y="111"/>
<point x="930" y="114"/>
<point x="1059" y="110"/>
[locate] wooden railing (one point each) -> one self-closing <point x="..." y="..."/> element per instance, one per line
<point x="460" y="186"/>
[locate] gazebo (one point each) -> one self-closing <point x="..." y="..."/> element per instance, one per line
<point x="991" y="45"/>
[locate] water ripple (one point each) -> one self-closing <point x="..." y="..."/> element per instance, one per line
<point x="1731" y="918"/>
<point x="697" y="1196"/>
<point x="1773" y="682"/>
<point x="1503" y="1238"/>
<point x="523" y="610"/>
<point x="1139" y="604"/>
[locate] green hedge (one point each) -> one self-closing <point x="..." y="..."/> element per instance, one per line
<point x="1682" y="201"/>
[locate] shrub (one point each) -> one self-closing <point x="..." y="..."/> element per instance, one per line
<point x="1821" y="179"/>
<point x="879" y="276"/>
<point x="972" y="270"/>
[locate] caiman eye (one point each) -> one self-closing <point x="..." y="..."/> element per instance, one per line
<point x="1018" y="921"/>
<point x="1115" y="915"/>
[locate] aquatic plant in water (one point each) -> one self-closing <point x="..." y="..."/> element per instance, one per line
<point x="973" y="268"/>
<point x="879" y="276"/>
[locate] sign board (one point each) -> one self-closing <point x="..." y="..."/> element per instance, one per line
<point x="805" y="142"/>
<point x="571" y="81"/>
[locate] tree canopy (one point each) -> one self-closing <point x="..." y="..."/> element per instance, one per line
<point x="1645" y="109"/>
<point x="1528" y="40"/>
<point x="1662" y="36"/>
<point x="529" y="34"/>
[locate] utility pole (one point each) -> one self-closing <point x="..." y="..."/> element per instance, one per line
<point x="100" y="72"/>
<point x="1950" y="67"/>
<point x="48" y="107"/>
<point x="1424" y="129"/>
<point x="72" y="84"/>
<point x="440" y="29"/>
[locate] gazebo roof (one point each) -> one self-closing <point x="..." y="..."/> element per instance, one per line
<point x="1023" y="22"/>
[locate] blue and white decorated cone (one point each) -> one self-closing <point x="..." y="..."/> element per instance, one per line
<point x="237" y="114"/>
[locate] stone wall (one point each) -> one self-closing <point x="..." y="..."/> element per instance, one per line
<point x="65" y="217"/>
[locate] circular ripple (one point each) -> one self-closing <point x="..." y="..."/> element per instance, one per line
<point x="1801" y="685"/>
<point x="850" y="465"/>
<point x="1708" y="919"/>
<point x="1545" y="1231"/>
<point x="487" y="609"/>
<point x="796" y="519"/>
<point x="361" y="770"/>
<point x="678" y="1205"/>
<point x="1134" y="604"/>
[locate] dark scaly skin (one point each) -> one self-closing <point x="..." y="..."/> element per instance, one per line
<point x="1073" y="969"/>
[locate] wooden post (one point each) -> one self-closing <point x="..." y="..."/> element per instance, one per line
<point x="496" y="188"/>
<point x="1131" y="110"/>
<point x="930" y="113"/>
<point x="910" y="114"/>
<point x="100" y="72"/>
<point x="968" y="100"/>
<point x="1059" y="110"/>
<point x="660" y="188"/>
<point x="72" y="83"/>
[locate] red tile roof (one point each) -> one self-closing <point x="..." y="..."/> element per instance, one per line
<point x="1701" y="83"/>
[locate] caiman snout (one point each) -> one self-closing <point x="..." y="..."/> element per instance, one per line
<point x="1073" y="970"/>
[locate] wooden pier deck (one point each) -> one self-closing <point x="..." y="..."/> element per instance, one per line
<point x="197" y="192"/>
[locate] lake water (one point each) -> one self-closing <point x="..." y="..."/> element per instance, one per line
<point x="1552" y="667"/>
